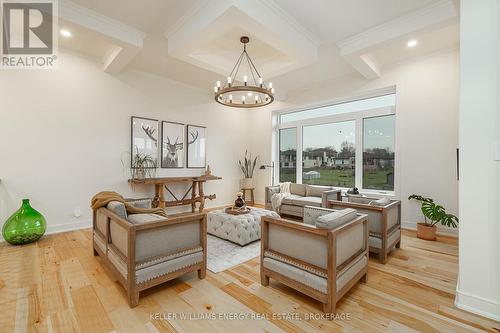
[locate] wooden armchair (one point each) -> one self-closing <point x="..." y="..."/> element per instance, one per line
<point x="384" y="222"/>
<point x="321" y="263"/>
<point x="144" y="250"/>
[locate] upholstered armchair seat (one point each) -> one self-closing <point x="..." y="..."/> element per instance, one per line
<point x="143" y="250"/>
<point x="321" y="263"/>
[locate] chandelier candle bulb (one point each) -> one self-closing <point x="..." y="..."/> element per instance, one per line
<point x="245" y="79"/>
<point x="270" y="85"/>
<point x="218" y="84"/>
<point x="215" y="90"/>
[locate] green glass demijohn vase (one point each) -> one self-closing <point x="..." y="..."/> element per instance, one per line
<point x="24" y="226"/>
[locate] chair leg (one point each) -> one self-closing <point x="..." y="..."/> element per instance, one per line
<point x="329" y="307"/>
<point x="382" y="256"/>
<point x="364" y="278"/>
<point x="264" y="280"/>
<point x="202" y="273"/>
<point x="95" y="252"/>
<point x="133" y="298"/>
<point x="398" y="244"/>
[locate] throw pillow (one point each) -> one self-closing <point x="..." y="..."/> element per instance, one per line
<point x="381" y="202"/>
<point x="336" y="219"/>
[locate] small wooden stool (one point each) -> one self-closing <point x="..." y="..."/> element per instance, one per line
<point x="250" y="202"/>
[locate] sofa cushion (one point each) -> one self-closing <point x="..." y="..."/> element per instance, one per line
<point x="298" y="189"/>
<point x="381" y="202"/>
<point x="316" y="190"/>
<point x="118" y="208"/>
<point x="302" y="201"/>
<point x="311" y="280"/>
<point x="142" y="218"/>
<point x="141" y="203"/>
<point x="336" y="219"/>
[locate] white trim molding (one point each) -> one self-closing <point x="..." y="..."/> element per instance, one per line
<point x="63" y="227"/>
<point x="478" y="305"/>
<point x="356" y="49"/>
<point x="411" y="225"/>
<point x="127" y="40"/>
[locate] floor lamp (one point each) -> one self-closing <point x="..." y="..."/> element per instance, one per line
<point x="267" y="166"/>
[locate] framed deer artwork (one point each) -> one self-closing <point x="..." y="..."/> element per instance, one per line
<point x="196" y="146"/>
<point x="172" y="145"/>
<point x="144" y="138"/>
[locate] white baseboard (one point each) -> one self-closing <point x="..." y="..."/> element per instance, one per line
<point x="440" y="231"/>
<point x="57" y="228"/>
<point x="478" y="305"/>
<point x="63" y="227"/>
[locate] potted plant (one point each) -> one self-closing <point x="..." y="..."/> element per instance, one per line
<point x="143" y="165"/>
<point x="247" y="167"/>
<point x="433" y="214"/>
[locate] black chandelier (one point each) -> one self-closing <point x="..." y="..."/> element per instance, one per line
<point x="245" y="94"/>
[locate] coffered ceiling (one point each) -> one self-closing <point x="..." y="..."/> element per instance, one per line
<point x="294" y="42"/>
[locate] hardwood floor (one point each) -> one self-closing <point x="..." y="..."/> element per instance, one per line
<point x="57" y="285"/>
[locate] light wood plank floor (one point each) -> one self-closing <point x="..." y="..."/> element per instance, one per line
<point x="57" y="285"/>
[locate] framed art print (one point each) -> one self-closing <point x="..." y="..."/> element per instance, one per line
<point x="196" y="146"/>
<point x="144" y="137"/>
<point x="172" y="145"/>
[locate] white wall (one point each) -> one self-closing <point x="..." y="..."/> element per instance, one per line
<point x="63" y="133"/>
<point x="479" y="253"/>
<point x="426" y="125"/>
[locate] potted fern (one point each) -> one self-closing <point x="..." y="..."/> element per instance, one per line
<point x="433" y="214"/>
<point x="247" y="167"/>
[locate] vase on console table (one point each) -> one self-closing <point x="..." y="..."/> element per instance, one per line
<point x="25" y="226"/>
<point x="247" y="183"/>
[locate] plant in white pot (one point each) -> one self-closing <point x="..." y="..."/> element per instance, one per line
<point x="143" y="166"/>
<point x="247" y="167"/>
<point x="433" y="214"/>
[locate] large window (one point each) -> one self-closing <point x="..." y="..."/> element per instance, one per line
<point x="378" y="153"/>
<point x="348" y="144"/>
<point x="328" y="154"/>
<point x="288" y="155"/>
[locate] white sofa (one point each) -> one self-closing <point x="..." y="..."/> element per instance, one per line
<point x="302" y="195"/>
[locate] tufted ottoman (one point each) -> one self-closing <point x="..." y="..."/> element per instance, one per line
<point x="240" y="229"/>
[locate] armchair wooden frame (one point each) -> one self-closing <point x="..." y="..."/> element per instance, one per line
<point x="383" y="236"/>
<point x="129" y="282"/>
<point x="333" y="295"/>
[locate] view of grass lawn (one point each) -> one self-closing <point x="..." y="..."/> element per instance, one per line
<point x="342" y="178"/>
<point x="332" y="177"/>
<point x="378" y="179"/>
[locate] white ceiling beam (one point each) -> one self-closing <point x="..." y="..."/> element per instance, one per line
<point x="209" y="19"/>
<point x="119" y="58"/>
<point x="127" y="40"/>
<point x="355" y="49"/>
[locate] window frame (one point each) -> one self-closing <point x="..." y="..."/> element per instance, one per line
<point x="358" y="117"/>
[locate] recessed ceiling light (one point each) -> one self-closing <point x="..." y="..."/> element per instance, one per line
<point x="65" y="33"/>
<point x="412" y="43"/>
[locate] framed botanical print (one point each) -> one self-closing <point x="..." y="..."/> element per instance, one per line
<point x="144" y="138"/>
<point x="172" y="145"/>
<point x="196" y="146"/>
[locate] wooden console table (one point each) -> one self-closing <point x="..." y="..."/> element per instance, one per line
<point x="196" y="190"/>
